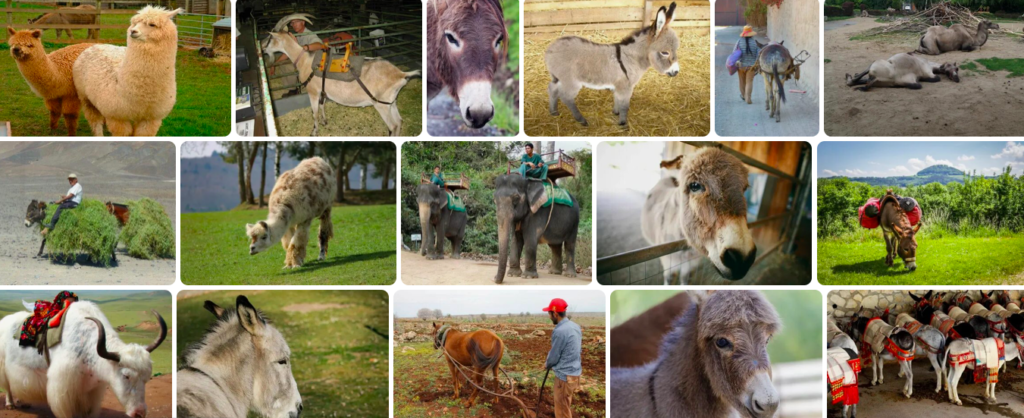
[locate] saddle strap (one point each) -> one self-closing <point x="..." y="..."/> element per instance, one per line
<point x="363" y="86"/>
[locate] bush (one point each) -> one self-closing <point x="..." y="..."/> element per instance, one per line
<point x="833" y="11"/>
<point x="756" y="13"/>
<point x="848" y="8"/>
<point x="88" y="229"/>
<point x="148" y="234"/>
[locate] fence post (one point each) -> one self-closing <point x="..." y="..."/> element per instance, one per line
<point x="801" y="200"/>
<point x="10" y="18"/>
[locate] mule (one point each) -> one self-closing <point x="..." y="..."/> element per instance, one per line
<point x="930" y="343"/>
<point x="962" y="354"/>
<point x="574" y="63"/>
<point x="714" y="363"/>
<point x="242" y="364"/>
<point x="776" y="66"/>
<point x="938" y="39"/>
<point x="903" y="70"/>
<point x="479" y="351"/>
<point x="467" y="42"/>
<point x="885" y="342"/>
<point x="898" y="234"/>
<point x="120" y="211"/>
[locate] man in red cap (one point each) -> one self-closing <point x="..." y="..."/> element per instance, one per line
<point x="564" y="357"/>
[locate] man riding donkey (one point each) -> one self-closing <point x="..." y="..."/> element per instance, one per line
<point x="69" y="201"/>
<point x="744" y="60"/>
<point x="564" y="357"/>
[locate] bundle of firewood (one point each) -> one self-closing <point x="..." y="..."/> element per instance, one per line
<point x="944" y="13"/>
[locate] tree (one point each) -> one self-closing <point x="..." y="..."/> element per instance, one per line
<point x="483" y="317"/>
<point x="263" y="174"/>
<point x="424" y="313"/>
<point x="278" y="150"/>
<point x="252" y="150"/>
<point x="240" y="157"/>
<point x="438" y="314"/>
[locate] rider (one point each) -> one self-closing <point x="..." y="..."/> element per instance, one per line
<point x="306" y="38"/>
<point x="438" y="178"/>
<point x="69" y="201"/>
<point x="533" y="165"/>
<point x="564" y="357"/>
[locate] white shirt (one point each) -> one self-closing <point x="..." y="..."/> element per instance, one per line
<point x="77" y="191"/>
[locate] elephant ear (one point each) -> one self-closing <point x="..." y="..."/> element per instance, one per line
<point x="536" y="194"/>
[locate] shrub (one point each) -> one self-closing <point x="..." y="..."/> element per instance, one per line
<point x="148" y="233"/>
<point x="88" y="229"/>
<point x="833" y="11"/>
<point x="756" y="13"/>
<point x="848" y="8"/>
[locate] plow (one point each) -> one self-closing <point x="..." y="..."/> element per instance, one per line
<point x="527" y="411"/>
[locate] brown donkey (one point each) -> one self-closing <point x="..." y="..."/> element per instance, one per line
<point x="898" y="234"/>
<point x="478" y="351"/>
<point x="466" y="43"/>
<point x="714" y="363"/>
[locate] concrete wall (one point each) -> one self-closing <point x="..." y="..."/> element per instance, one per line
<point x="796" y="23"/>
<point x="843" y="303"/>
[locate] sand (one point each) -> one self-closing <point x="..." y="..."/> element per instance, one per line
<point x="417" y="270"/>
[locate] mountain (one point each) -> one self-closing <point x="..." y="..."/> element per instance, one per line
<point x="941" y="173"/>
<point x="111" y="159"/>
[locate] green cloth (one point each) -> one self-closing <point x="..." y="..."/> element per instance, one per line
<point x="557" y="195"/>
<point x="455" y="203"/>
<point x="540" y="172"/>
<point x="437" y="179"/>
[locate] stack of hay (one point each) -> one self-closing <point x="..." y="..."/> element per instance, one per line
<point x="87" y="229"/>
<point x="148" y="233"/>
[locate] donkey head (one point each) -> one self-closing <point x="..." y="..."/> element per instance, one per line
<point x="713" y="210"/>
<point x="951" y="70"/>
<point x="733" y="330"/>
<point x="472" y="43"/>
<point x="907" y="245"/>
<point x="132" y="367"/>
<point x="661" y="51"/>
<point x="36" y="213"/>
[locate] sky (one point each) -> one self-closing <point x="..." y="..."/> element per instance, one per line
<point x="891" y="158"/>
<point x="475" y="302"/>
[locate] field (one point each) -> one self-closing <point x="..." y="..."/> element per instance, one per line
<point x="203" y="101"/>
<point x="423" y="385"/>
<point x="339" y="358"/>
<point x="215" y="250"/>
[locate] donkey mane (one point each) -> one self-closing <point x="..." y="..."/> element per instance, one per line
<point x="226" y="322"/>
<point x="631" y="38"/>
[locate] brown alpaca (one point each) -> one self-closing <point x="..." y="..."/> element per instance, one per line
<point x="713" y="364"/>
<point x="48" y="75"/>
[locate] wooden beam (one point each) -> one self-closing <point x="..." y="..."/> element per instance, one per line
<point x="82" y="26"/>
<point x="610" y="26"/>
<point x="583" y="4"/>
<point x="566" y="17"/>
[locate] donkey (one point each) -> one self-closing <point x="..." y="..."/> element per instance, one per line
<point x="837" y="338"/>
<point x="706" y="196"/>
<point x="897" y="232"/>
<point x="380" y="77"/>
<point x="885" y="342"/>
<point x="574" y="62"/>
<point x="938" y="39"/>
<point x="479" y="351"/>
<point x="903" y="70"/>
<point x="776" y="66"/>
<point x="962" y="354"/>
<point x="996" y="323"/>
<point x="467" y="42"/>
<point x="714" y="363"/>
<point x="242" y="364"/>
<point x="930" y="343"/>
<point x="120" y="211"/>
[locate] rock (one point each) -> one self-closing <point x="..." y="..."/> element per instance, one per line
<point x="870" y="302"/>
<point x="835" y="299"/>
<point x="858" y="297"/>
<point x="850" y="304"/>
<point x="844" y="294"/>
<point x="407" y="349"/>
<point x="539" y="333"/>
<point x="409" y="336"/>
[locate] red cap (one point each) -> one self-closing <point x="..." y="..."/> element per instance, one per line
<point x="557" y="305"/>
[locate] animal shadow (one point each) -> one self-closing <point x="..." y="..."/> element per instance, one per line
<point x="80" y="259"/>
<point x="876" y="267"/>
<point x="337" y="261"/>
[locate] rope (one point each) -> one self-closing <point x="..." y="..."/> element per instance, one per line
<point x="552" y="211"/>
<point x="507" y="394"/>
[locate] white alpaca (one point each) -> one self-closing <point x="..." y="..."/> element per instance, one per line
<point x="131" y="88"/>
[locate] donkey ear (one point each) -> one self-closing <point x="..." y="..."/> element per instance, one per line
<point x="536" y="195"/>
<point x="659" y="21"/>
<point x="248" y="316"/>
<point x="214" y="309"/>
<point x="914" y="297"/>
<point x="918" y="226"/>
<point x="897" y="229"/>
<point x="673" y="164"/>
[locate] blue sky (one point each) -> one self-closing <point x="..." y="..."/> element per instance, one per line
<point x="891" y="158"/>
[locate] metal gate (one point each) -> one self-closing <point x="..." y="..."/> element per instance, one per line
<point x="195" y="30"/>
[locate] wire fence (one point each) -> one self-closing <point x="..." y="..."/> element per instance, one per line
<point x="195" y="30"/>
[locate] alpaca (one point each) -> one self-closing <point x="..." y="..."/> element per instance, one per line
<point x="300" y="195"/>
<point x="131" y="88"/>
<point x="714" y="363"/>
<point x="48" y="75"/>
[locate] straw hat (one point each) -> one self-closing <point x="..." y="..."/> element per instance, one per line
<point x="72" y="176"/>
<point x="748" y="32"/>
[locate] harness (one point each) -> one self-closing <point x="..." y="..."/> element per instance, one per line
<point x="327" y="60"/>
<point x="442" y="335"/>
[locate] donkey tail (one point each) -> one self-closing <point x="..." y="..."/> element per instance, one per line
<point x="778" y="81"/>
<point x="481" y="360"/>
<point x="413" y="74"/>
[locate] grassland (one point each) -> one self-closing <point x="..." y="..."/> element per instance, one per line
<point x="339" y="362"/>
<point x="215" y="250"/>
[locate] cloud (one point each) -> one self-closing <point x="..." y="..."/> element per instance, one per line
<point x="854" y="172"/>
<point x="1013" y="150"/>
<point x="901" y="170"/>
<point x="991" y="171"/>
<point x="918" y="165"/>
<point x="965" y="157"/>
<point x="830" y="173"/>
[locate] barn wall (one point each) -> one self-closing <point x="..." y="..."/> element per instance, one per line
<point x="796" y="23"/>
<point x="849" y="301"/>
<point x="557" y="16"/>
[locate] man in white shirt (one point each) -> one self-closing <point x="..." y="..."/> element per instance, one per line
<point x="69" y="201"/>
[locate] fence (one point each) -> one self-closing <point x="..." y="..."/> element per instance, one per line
<point x="801" y="388"/>
<point x="556" y="16"/>
<point x="647" y="265"/>
<point x="195" y="30"/>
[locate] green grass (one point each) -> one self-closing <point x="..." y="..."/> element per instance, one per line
<point x="87" y="229"/>
<point x="339" y="364"/>
<point x="996" y="19"/>
<point x="827" y="60"/>
<point x="954" y="261"/>
<point x="203" y="106"/>
<point x="215" y="250"/>
<point x="1014" y="65"/>
<point x="891" y="37"/>
<point x="148" y="233"/>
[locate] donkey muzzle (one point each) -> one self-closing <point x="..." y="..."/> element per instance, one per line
<point x="763" y="398"/>
<point x="475" y="103"/>
<point x="737" y="262"/>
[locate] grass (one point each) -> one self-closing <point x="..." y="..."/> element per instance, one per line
<point x="1014" y="65"/>
<point x="827" y="60"/>
<point x="203" y="106"/>
<point x="87" y="229"/>
<point x="215" y="250"/>
<point x="148" y="233"/>
<point x="339" y="363"/>
<point x="357" y="121"/>
<point x="954" y="261"/>
<point x="891" y="37"/>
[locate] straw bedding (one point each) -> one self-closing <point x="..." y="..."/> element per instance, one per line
<point x="359" y="121"/>
<point x="660" y="106"/>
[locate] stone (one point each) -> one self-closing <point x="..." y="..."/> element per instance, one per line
<point x="858" y="297"/>
<point x="844" y="294"/>
<point x="870" y="302"/>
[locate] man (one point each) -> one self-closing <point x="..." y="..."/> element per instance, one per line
<point x="564" y="357"/>
<point x="438" y="178"/>
<point x="307" y="39"/>
<point x="69" y="201"/>
<point x="533" y="166"/>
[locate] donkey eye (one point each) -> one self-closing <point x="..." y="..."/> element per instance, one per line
<point x="497" y="43"/>
<point x="664" y="53"/>
<point x="695" y="187"/>
<point x="282" y="362"/>
<point x="451" y="39"/>
<point x="723" y="343"/>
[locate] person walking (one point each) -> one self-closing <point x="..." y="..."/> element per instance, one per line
<point x="564" y="357"/>
<point x="744" y="60"/>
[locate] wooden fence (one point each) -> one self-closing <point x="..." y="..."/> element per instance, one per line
<point x="554" y="16"/>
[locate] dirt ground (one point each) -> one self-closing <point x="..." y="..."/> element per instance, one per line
<point x="887" y="400"/>
<point x="417" y="270"/>
<point x="443" y="120"/>
<point x="982" y="104"/>
<point x="158" y="402"/>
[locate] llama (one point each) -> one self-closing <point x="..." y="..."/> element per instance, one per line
<point x="300" y="195"/>
<point x="131" y="88"/>
<point x="48" y="75"/>
<point x="714" y="363"/>
<point x="58" y="18"/>
<point x="938" y="39"/>
<point x="903" y="70"/>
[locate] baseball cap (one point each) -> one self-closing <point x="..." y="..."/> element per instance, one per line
<point x="556" y="305"/>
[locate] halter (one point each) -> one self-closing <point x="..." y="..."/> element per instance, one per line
<point x="442" y="335"/>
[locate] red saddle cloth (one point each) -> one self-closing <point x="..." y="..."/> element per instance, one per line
<point x="871" y="223"/>
<point x="46" y="315"/>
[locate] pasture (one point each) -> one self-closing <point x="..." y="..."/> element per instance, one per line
<point x="337" y="339"/>
<point x="423" y="385"/>
<point x="215" y="250"/>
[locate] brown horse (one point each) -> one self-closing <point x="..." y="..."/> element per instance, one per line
<point x="479" y="351"/>
<point x="467" y="42"/>
<point x="898" y="234"/>
<point x="120" y="211"/>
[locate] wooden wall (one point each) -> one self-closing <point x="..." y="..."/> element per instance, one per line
<point x="548" y="16"/>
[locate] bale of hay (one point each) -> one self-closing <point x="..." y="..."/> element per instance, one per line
<point x="149" y="233"/>
<point x="88" y="229"/>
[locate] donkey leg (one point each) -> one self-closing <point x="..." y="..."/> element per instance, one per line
<point x="938" y="371"/>
<point x="568" y="96"/>
<point x="622" y="103"/>
<point x="314" y="104"/>
<point x="954" y="382"/>
<point x="888" y="249"/>
<point x="767" y="92"/>
<point x="41" y="248"/>
<point x="396" y="118"/>
<point x="909" y="383"/>
<point x="553" y="98"/>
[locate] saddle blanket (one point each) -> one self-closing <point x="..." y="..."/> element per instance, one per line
<point x="876" y="334"/>
<point x="335" y="66"/>
<point x="908" y="204"/>
<point x="557" y="195"/>
<point x="455" y="203"/>
<point x="942" y="322"/>
<point x="978" y="309"/>
<point x="957" y="314"/>
<point x="843" y="367"/>
<point x="46" y="317"/>
<point x="833" y="330"/>
<point x="1013" y="307"/>
<point x="985" y="356"/>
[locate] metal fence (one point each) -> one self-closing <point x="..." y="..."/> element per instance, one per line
<point x="195" y="30"/>
<point x="801" y="387"/>
<point x="658" y="264"/>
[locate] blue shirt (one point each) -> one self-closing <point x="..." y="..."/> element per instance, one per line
<point x="564" y="357"/>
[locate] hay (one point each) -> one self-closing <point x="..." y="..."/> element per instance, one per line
<point x="149" y="233"/>
<point x="88" y="229"/>
<point x="660" y="106"/>
<point x="358" y="121"/>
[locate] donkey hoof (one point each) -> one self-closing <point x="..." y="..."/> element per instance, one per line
<point x="584" y="122"/>
<point x="554" y="113"/>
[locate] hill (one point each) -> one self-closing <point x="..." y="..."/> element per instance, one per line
<point x="122" y="159"/>
<point x="941" y="173"/>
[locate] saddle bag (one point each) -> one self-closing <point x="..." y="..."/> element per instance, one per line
<point x="868" y="215"/>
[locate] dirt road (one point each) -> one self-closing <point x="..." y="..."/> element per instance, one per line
<point x="158" y="402"/>
<point x="417" y="270"/>
<point x="983" y="103"/>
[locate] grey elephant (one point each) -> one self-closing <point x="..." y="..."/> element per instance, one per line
<point x="437" y="222"/>
<point x="518" y="201"/>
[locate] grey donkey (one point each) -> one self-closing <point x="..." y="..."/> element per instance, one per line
<point x="575" y="62"/>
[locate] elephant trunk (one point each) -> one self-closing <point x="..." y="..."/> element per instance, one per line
<point x="504" y="242"/>
<point x="425" y="228"/>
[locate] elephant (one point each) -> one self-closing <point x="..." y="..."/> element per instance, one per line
<point x="518" y="202"/>
<point x="437" y="222"/>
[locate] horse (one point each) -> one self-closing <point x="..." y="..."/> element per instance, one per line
<point x="479" y="350"/>
<point x="897" y="232"/>
<point x="120" y="211"/>
<point x="885" y="342"/>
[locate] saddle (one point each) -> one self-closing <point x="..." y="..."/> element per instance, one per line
<point x="908" y="323"/>
<point x="843" y="366"/>
<point x="869" y="214"/>
<point x="43" y="328"/>
<point x="342" y="67"/>
<point x="455" y="203"/>
<point x="833" y="330"/>
<point x="942" y="322"/>
<point x="957" y="314"/>
<point x="985" y="354"/>
<point x="556" y="194"/>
